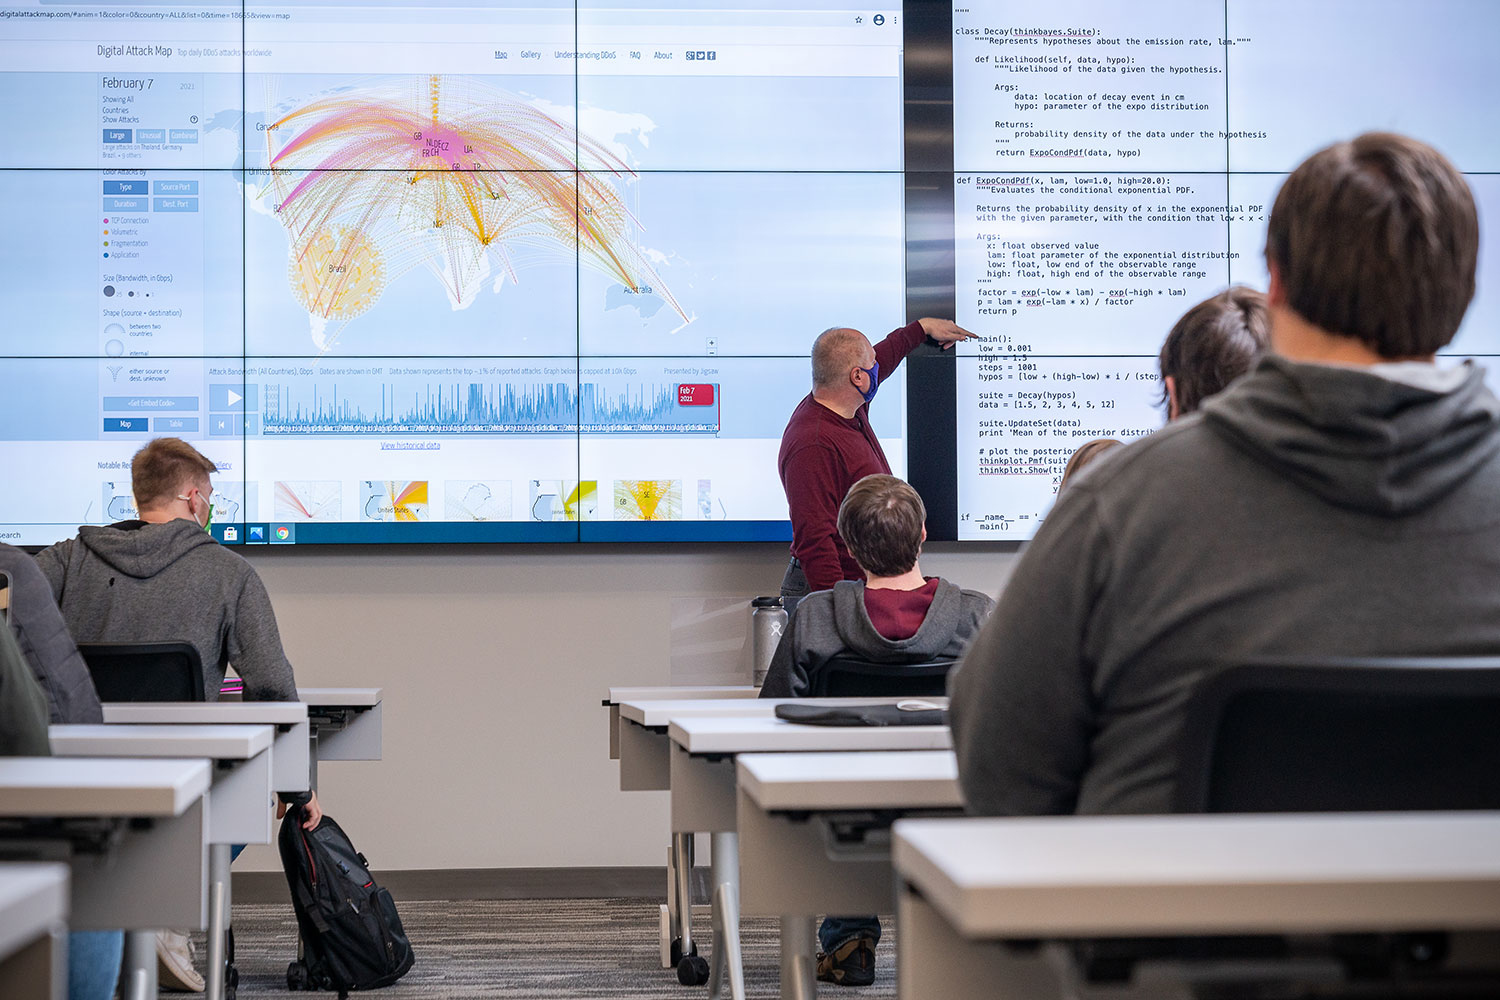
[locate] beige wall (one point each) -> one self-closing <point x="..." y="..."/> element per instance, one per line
<point x="494" y="661"/>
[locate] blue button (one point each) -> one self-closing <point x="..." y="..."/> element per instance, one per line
<point x="127" y="425"/>
<point x="256" y="532"/>
<point x="246" y="423"/>
<point x="124" y="187"/>
<point x="175" y="425"/>
<point x="221" y="425"/>
<point x="127" y="204"/>
<point x="174" y="187"/>
<point x="183" y="135"/>
<point x="134" y="404"/>
<point x="174" y="204"/>
<point x="117" y="135"/>
<point x="150" y="135"/>
<point x="283" y="534"/>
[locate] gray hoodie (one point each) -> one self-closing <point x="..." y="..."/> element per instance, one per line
<point x="830" y="622"/>
<point x="1307" y="510"/>
<point x="45" y="643"/>
<point x="138" y="582"/>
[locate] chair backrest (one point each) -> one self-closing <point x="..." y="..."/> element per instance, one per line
<point x="850" y="677"/>
<point x="1347" y="735"/>
<point x="144" y="671"/>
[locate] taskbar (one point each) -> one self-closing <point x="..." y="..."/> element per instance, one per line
<point x="258" y="533"/>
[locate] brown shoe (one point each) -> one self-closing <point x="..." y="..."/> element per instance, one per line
<point x="851" y="964"/>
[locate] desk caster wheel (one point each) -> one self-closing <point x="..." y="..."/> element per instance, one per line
<point x="692" y="971"/>
<point x="231" y="983"/>
<point x="296" y="977"/>
<point x="677" y="955"/>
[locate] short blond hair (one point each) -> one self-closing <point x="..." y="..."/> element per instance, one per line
<point x="159" y="471"/>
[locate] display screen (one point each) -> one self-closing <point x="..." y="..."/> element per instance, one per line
<point x="1114" y="164"/>
<point x="412" y="272"/>
<point x="482" y="272"/>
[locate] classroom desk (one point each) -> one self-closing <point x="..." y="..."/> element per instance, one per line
<point x="344" y="724"/>
<point x="290" y="762"/>
<point x="240" y="798"/>
<point x="620" y="695"/>
<point x="814" y="837"/>
<point x="703" y="795"/>
<point x="33" y="931"/>
<point x="134" y="833"/>
<point x="638" y="740"/>
<point x="643" y="747"/>
<point x="966" y="884"/>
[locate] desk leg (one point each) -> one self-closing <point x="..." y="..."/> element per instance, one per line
<point x="218" y="919"/>
<point x="39" y="970"/>
<point x="682" y="892"/>
<point x="726" y="962"/>
<point x="312" y="758"/>
<point x="798" y="975"/>
<point x="139" y="982"/>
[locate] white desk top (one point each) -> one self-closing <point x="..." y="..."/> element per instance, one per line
<point x="764" y="733"/>
<point x="339" y="697"/>
<point x="229" y="713"/>
<point x="659" y="712"/>
<point x="911" y="779"/>
<point x="216" y="742"/>
<point x="617" y="695"/>
<point x="99" y="786"/>
<point x="33" y="900"/>
<point x="1130" y="875"/>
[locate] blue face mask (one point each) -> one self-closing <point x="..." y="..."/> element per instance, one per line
<point x="874" y="372"/>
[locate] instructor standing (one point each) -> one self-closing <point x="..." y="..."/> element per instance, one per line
<point x="829" y="445"/>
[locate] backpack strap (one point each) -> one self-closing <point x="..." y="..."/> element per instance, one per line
<point x="310" y="907"/>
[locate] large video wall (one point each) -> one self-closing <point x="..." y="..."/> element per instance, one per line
<point x="551" y="272"/>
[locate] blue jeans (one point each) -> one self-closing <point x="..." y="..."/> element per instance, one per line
<point x="838" y="931"/>
<point x="94" y="964"/>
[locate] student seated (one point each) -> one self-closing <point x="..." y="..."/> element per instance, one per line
<point x="164" y="578"/>
<point x="894" y="615"/>
<point x="44" y="640"/>
<point x="1214" y="343"/>
<point x="1342" y="499"/>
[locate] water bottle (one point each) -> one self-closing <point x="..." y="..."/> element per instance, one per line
<point x="767" y="622"/>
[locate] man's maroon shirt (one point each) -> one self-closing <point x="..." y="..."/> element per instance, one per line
<point x="822" y="455"/>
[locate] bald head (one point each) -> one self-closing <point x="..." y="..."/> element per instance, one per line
<point x="834" y="353"/>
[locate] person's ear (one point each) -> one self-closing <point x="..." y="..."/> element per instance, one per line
<point x="1275" y="291"/>
<point x="1174" y="410"/>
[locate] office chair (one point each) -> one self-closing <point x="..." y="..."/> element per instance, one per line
<point x="144" y="671"/>
<point x="1343" y="736"/>
<point x="1333" y="735"/>
<point x="847" y="676"/>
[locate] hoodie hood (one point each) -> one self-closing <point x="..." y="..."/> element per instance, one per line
<point x="858" y="633"/>
<point x="143" y="550"/>
<point x="1389" y="444"/>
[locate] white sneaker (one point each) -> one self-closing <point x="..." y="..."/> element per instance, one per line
<point x="174" y="963"/>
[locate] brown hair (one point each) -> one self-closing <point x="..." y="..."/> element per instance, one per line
<point x="1214" y="343"/>
<point x="162" y="468"/>
<point x="881" y="521"/>
<point x="1377" y="239"/>
<point x="1086" y="453"/>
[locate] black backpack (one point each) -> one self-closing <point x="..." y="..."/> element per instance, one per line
<point x="351" y="936"/>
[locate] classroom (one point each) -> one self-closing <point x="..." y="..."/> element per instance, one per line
<point x="589" y="498"/>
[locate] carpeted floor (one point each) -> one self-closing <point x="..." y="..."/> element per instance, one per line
<point x="524" y="949"/>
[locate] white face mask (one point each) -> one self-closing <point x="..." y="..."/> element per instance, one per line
<point x="206" y="502"/>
